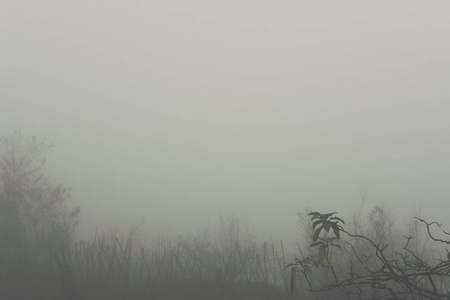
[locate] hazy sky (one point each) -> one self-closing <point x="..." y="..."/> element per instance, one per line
<point x="172" y="111"/>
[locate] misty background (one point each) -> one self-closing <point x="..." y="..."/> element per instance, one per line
<point x="172" y="112"/>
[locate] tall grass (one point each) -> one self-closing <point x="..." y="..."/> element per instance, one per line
<point x="124" y="263"/>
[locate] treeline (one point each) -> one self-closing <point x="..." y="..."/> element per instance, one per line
<point x="367" y="257"/>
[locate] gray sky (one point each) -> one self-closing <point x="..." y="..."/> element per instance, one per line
<point x="172" y="111"/>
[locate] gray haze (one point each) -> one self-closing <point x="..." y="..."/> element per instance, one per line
<point x="174" y="111"/>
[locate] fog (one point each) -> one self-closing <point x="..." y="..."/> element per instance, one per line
<point x="174" y="112"/>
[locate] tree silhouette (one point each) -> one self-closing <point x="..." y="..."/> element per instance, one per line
<point x="34" y="218"/>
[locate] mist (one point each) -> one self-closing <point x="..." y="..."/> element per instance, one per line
<point x="173" y="113"/>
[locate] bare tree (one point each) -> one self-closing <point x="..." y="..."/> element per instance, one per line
<point x="372" y="267"/>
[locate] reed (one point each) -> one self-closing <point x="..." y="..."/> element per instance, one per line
<point x="115" y="266"/>
<point x="116" y="261"/>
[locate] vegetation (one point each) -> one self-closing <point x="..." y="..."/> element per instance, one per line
<point x="34" y="212"/>
<point x="226" y="265"/>
<point x="39" y="259"/>
<point x="35" y="222"/>
<point x="367" y="262"/>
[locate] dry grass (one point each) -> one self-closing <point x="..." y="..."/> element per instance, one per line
<point x="225" y="266"/>
<point x="188" y="268"/>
